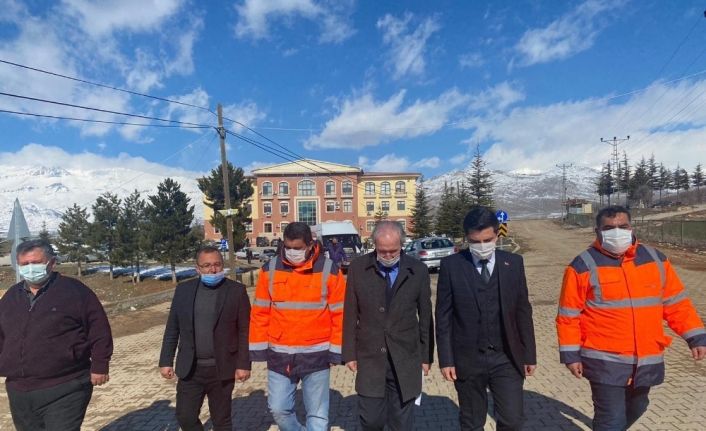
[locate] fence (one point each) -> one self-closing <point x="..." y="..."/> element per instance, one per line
<point x="680" y="232"/>
<point x="583" y="220"/>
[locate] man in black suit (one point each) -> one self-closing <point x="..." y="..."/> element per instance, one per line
<point x="484" y="327"/>
<point x="388" y="334"/>
<point x="209" y="320"/>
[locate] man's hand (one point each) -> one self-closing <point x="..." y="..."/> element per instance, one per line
<point x="99" y="379"/>
<point x="529" y="370"/>
<point x="449" y="373"/>
<point x="352" y="365"/>
<point x="576" y="369"/>
<point x="241" y="375"/>
<point x="426" y="368"/>
<point x="698" y="352"/>
<point x="167" y="372"/>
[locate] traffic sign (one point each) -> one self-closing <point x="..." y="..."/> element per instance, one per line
<point x="228" y="212"/>
<point x="224" y="244"/>
<point x="502" y="231"/>
<point x="502" y="216"/>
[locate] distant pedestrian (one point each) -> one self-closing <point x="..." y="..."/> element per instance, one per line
<point x="248" y="255"/>
<point x="335" y="251"/>
<point x="296" y="327"/>
<point x="388" y="334"/>
<point x="208" y="320"/>
<point x="55" y="343"/>
<point x="614" y="298"/>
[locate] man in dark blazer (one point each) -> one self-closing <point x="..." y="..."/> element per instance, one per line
<point x="209" y="320"/>
<point x="388" y="334"/>
<point x="484" y="327"/>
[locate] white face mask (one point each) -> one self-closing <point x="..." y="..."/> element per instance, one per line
<point x="616" y="241"/>
<point x="482" y="250"/>
<point x="388" y="263"/>
<point x="295" y="256"/>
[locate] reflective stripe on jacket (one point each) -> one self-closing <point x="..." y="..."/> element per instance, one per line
<point x="297" y="315"/>
<point x="611" y="312"/>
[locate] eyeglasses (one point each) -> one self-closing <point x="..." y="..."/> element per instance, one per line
<point x="211" y="265"/>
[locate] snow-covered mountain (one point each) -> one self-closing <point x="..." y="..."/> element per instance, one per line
<point x="526" y="194"/>
<point x="45" y="192"/>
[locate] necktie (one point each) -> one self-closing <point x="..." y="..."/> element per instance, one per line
<point x="484" y="272"/>
<point x="388" y="280"/>
<point x="388" y="291"/>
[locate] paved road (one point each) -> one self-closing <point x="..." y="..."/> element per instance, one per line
<point x="138" y="399"/>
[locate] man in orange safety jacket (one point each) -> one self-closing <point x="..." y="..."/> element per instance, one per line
<point x="296" y="326"/>
<point x="614" y="298"/>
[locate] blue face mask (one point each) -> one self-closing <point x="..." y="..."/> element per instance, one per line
<point x="213" y="279"/>
<point x="34" y="273"/>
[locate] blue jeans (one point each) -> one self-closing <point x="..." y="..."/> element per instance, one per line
<point x="616" y="408"/>
<point x="280" y="400"/>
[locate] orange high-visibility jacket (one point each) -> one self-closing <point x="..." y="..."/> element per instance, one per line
<point x="611" y="312"/>
<point x="296" y="319"/>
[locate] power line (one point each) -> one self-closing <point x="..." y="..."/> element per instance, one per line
<point x="107" y="111"/>
<point x="563" y="167"/>
<point x="97" y="84"/>
<point x="87" y="120"/>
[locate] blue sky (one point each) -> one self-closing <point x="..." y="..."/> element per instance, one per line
<point x="384" y="85"/>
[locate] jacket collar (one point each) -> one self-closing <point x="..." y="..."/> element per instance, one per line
<point x="627" y="256"/>
<point x="308" y="264"/>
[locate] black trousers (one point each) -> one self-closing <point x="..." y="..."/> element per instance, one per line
<point x="204" y="382"/>
<point x="497" y="373"/>
<point x="59" y="408"/>
<point x="616" y="408"/>
<point x="375" y="413"/>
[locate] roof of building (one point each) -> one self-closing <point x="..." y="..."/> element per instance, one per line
<point x="392" y="174"/>
<point x="306" y="166"/>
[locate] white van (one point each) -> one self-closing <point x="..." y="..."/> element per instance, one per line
<point x="346" y="234"/>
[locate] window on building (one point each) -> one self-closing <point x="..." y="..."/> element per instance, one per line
<point x="347" y="188"/>
<point x="267" y="207"/>
<point x="267" y="188"/>
<point x="283" y="225"/>
<point x="384" y="188"/>
<point x="283" y="188"/>
<point x="306" y="188"/>
<point x="347" y="206"/>
<point x="330" y="206"/>
<point x="370" y="206"/>
<point x="268" y="227"/>
<point x="284" y="207"/>
<point x="400" y="205"/>
<point x="248" y="227"/>
<point x="400" y="187"/>
<point x="370" y="225"/>
<point x="403" y="223"/>
<point x="216" y="230"/>
<point x="385" y="205"/>
<point x="306" y="212"/>
<point x="330" y="188"/>
<point x="369" y="189"/>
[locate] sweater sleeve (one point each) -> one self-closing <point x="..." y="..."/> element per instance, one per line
<point x="100" y="337"/>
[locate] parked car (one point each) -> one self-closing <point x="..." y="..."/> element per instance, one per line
<point x="430" y="250"/>
<point x="242" y="253"/>
<point x="267" y="254"/>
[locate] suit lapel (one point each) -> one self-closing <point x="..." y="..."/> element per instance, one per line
<point x="223" y="293"/>
<point x="470" y="277"/>
<point x="191" y="301"/>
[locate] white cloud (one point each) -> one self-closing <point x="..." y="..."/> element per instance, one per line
<point x="574" y="32"/>
<point x="255" y="165"/>
<point x="428" y="162"/>
<point x="363" y="121"/>
<point x="56" y="157"/>
<point x="254" y="17"/>
<point x="459" y="159"/>
<point x="105" y="17"/>
<point x="661" y="120"/>
<point x="497" y="98"/>
<point x="471" y="60"/>
<point x="407" y="47"/>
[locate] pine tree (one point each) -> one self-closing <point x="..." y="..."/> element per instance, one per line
<point x="664" y="180"/>
<point x="240" y="191"/>
<point x="652" y="171"/>
<point x="697" y="180"/>
<point x="131" y="233"/>
<point x="480" y="182"/>
<point x="447" y="222"/>
<point x="44" y="233"/>
<point x="640" y="189"/>
<point x="605" y="185"/>
<point x="623" y="180"/>
<point x="420" y="223"/>
<point x="73" y="235"/>
<point x="380" y="215"/>
<point x="680" y="180"/>
<point x="169" y="215"/>
<point x="104" y="229"/>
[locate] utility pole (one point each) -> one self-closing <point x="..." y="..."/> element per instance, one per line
<point x="226" y="190"/>
<point x="614" y="157"/>
<point x="563" y="167"/>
